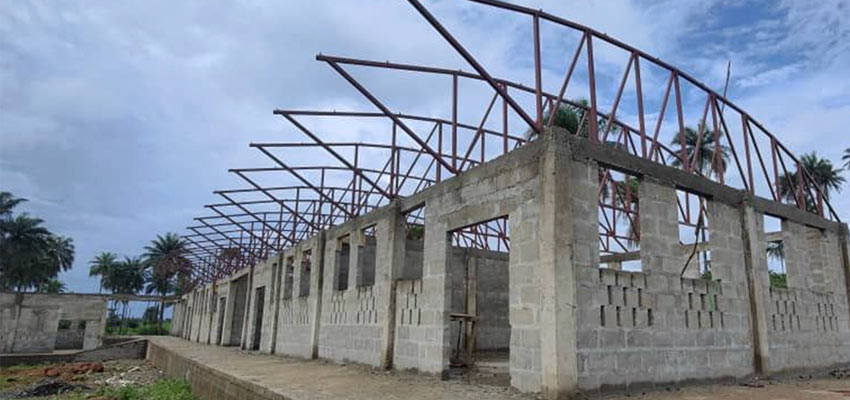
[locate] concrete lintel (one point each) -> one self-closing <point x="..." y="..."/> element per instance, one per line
<point x="619" y="257"/>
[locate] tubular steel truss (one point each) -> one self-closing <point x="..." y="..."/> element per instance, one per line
<point x="344" y="179"/>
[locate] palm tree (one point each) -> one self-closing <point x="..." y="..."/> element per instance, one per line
<point x="23" y="241"/>
<point x="165" y="257"/>
<point x="8" y="202"/>
<point x="822" y="172"/>
<point x="58" y="256"/>
<point x="846" y="158"/>
<point x="705" y="153"/>
<point x="776" y="252"/>
<point x="101" y="264"/>
<point x="125" y="277"/>
<point x="52" y="286"/>
<point x="29" y="254"/>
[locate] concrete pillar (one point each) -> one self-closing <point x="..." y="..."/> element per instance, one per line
<point x="246" y="320"/>
<point x="390" y="262"/>
<point x="568" y="235"/>
<point x="316" y="285"/>
<point x="277" y="289"/>
<point x="796" y="255"/>
<point x="436" y="351"/>
<point x="659" y="229"/>
<point x="844" y="243"/>
<point x="758" y="284"/>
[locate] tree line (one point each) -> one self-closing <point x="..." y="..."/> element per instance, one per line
<point x="162" y="269"/>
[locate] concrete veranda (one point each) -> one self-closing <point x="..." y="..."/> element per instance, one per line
<point x="291" y="378"/>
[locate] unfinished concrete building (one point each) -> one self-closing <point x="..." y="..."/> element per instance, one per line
<point x="42" y="323"/>
<point x="585" y="255"/>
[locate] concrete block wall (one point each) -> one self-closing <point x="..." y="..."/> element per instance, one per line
<point x="265" y="277"/>
<point x="656" y="327"/>
<point x="809" y="322"/>
<point x="177" y="319"/>
<point x="572" y="325"/>
<point x="492" y="299"/>
<point x="218" y="334"/>
<point x="298" y="321"/>
<point x="354" y="321"/>
<point x="29" y="322"/>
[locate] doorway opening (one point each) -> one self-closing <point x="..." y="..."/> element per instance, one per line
<point x="478" y="267"/>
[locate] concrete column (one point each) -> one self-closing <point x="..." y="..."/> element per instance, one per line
<point x="226" y="331"/>
<point x="390" y="262"/>
<point x="758" y="284"/>
<point x="844" y="243"/>
<point x="796" y="255"/>
<point x="436" y="308"/>
<point x="316" y="284"/>
<point x="568" y="235"/>
<point x="246" y="320"/>
<point x="659" y="229"/>
<point x="277" y="288"/>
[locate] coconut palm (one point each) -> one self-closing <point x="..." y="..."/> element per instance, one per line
<point x="822" y="172"/>
<point x="165" y="257"/>
<point x="846" y="158"/>
<point x="52" y="286"/>
<point x="100" y="265"/>
<point x="29" y="254"/>
<point x="705" y="153"/>
<point x="58" y="256"/>
<point x="125" y="277"/>
<point x="8" y="202"/>
<point x="23" y="241"/>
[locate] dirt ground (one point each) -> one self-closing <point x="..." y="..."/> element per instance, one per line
<point x="58" y="381"/>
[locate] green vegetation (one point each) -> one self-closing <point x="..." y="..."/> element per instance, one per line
<point x="163" y="269"/>
<point x="704" y="151"/>
<point x="30" y="255"/>
<point x="778" y="280"/>
<point x="52" y="286"/>
<point x="136" y="327"/>
<point x="823" y="173"/>
<point x="846" y="158"/>
<point x="165" y="389"/>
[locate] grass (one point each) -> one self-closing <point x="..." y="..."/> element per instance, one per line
<point x="165" y="389"/>
<point x="16" y="375"/>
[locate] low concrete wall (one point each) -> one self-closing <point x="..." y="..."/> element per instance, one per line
<point x="132" y="349"/>
<point x="206" y="383"/>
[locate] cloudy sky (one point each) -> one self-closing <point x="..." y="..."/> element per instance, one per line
<point x="118" y="119"/>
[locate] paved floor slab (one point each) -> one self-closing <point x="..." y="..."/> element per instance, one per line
<point x="302" y="379"/>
